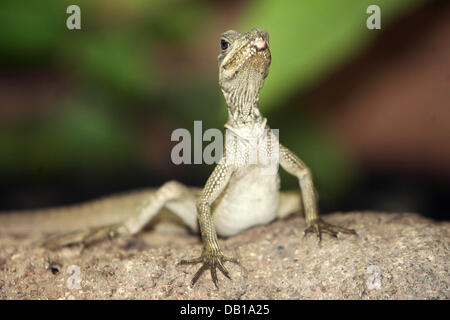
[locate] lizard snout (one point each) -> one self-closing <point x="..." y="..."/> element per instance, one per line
<point x="259" y="44"/>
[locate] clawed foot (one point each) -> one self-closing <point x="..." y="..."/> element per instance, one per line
<point x="318" y="226"/>
<point x="83" y="237"/>
<point x="211" y="260"/>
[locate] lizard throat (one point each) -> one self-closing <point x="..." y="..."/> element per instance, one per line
<point x="242" y="108"/>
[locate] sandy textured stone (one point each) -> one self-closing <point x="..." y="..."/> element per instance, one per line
<point x="395" y="256"/>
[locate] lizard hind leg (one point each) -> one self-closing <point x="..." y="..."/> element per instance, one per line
<point x="290" y="202"/>
<point x="173" y="195"/>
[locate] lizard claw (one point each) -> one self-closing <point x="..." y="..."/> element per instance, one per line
<point x="318" y="226"/>
<point x="211" y="260"/>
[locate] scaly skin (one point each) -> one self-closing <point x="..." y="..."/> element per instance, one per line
<point x="244" y="63"/>
<point x="242" y="191"/>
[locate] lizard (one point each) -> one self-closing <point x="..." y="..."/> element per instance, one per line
<point x="241" y="192"/>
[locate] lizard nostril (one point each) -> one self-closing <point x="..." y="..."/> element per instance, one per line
<point x="260" y="44"/>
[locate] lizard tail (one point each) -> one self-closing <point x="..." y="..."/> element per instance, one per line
<point x="101" y="212"/>
<point x="40" y="221"/>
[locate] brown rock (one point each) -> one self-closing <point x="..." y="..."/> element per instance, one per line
<point x="394" y="256"/>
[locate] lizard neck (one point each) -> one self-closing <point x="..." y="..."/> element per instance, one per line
<point x="243" y="110"/>
<point x="244" y="118"/>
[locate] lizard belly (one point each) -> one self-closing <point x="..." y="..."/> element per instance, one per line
<point x="251" y="199"/>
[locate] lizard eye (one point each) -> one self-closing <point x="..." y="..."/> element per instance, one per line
<point x="224" y="44"/>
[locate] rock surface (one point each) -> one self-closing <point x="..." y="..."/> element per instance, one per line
<point x="394" y="256"/>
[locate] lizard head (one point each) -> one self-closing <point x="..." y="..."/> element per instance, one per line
<point x="244" y="61"/>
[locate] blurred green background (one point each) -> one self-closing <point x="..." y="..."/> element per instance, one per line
<point x="89" y="112"/>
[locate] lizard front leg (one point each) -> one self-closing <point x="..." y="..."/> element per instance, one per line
<point x="212" y="256"/>
<point x="293" y="165"/>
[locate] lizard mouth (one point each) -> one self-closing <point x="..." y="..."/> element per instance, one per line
<point x="260" y="48"/>
<point x="256" y="49"/>
<point x="259" y="54"/>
